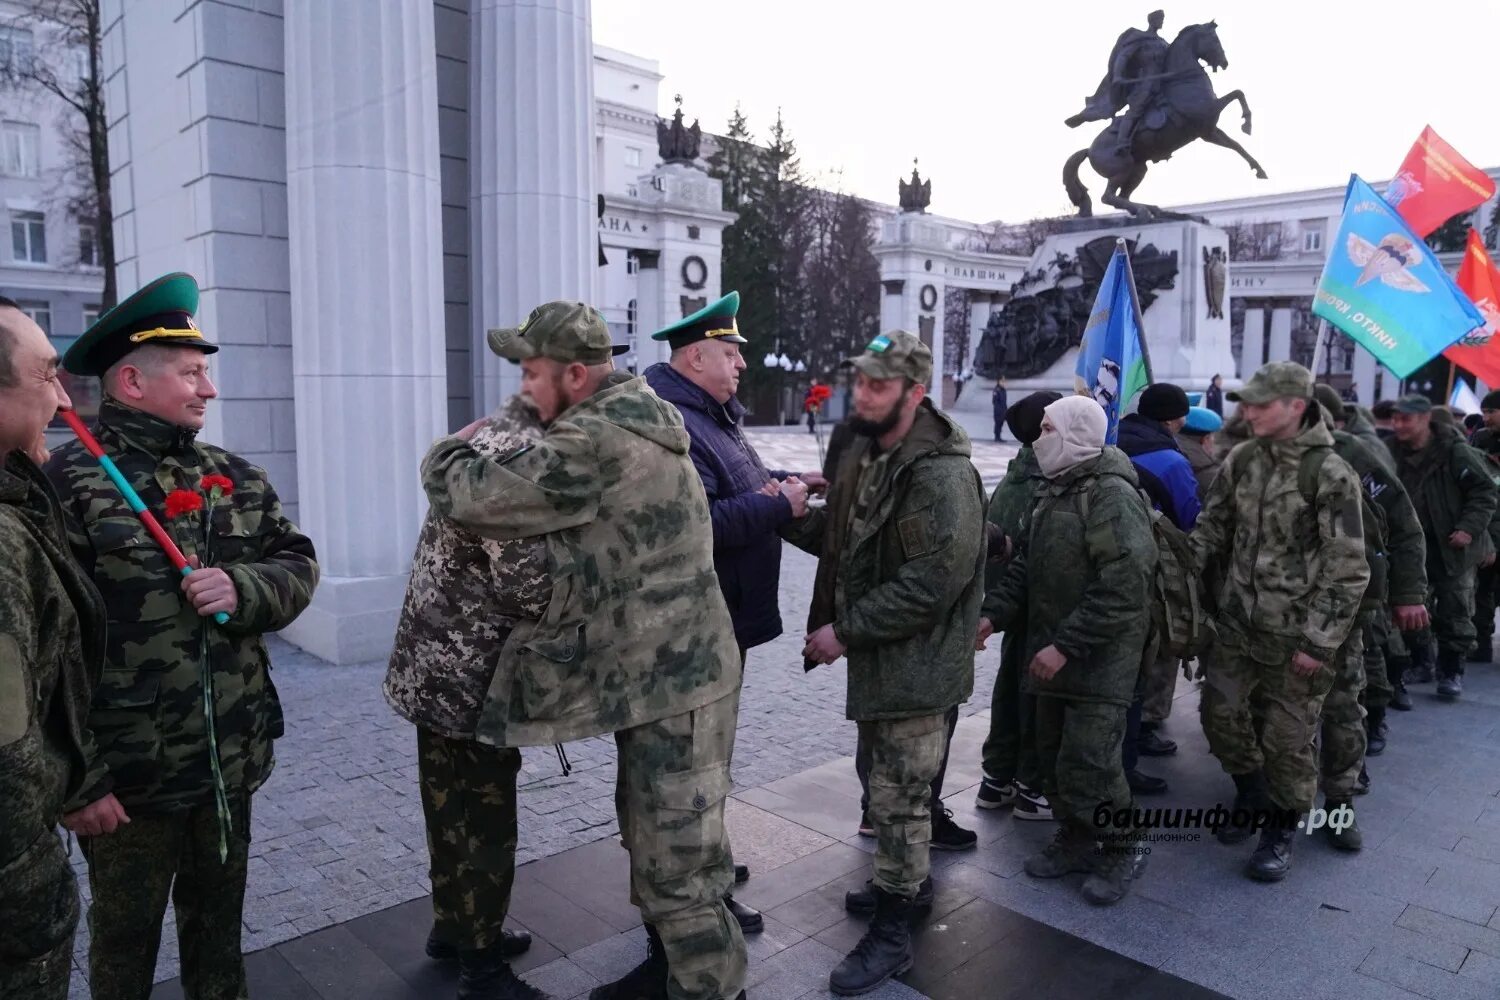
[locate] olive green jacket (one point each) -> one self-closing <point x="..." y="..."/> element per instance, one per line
<point x="1453" y="489"/>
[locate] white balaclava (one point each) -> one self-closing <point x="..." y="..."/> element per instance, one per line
<point x="1077" y="435"/>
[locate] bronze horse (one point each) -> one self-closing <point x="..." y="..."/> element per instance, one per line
<point x="1184" y="110"/>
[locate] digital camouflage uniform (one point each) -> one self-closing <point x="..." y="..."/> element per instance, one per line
<point x="1453" y="489"/>
<point x="1395" y="553"/>
<point x="147" y="719"/>
<point x="1295" y="574"/>
<point x="464" y="596"/>
<point x="1080" y="585"/>
<point x="1010" y="748"/>
<point x="1487" y="443"/>
<point x="51" y="653"/>
<point x="900" y="577"/>
<point x="636" y="641"/>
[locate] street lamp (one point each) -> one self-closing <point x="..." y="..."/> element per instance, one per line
<point x="777" y="359"/>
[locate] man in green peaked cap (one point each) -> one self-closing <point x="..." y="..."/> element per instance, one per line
<point x="164" y="810"/>
<point x="715" y="321"/>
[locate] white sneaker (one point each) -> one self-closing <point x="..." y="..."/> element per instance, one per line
<point x="1031" y="804"/>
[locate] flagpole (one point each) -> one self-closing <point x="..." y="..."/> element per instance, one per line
<point x="1135" y="305"/>
<point x="1319" y="347"/>
<point x="1452" y="376"/>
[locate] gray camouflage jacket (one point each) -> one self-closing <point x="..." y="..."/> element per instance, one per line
<point x="637" y="629"/>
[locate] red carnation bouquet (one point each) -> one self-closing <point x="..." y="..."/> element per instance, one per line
<point x="817" y="395"/>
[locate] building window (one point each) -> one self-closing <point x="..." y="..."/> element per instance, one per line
<point x="1312" y="237"/>
<point x="632" y="264"/>
<point x="90" y="316"/>
<point x="20" y="146"/>
<point x="16" y="50"/>
<point x="630" y="317"/>
<point x="88" y="246"/>
<point x="632" y="156"/>
<point x="28" y="236"/>
<point x="40" y="312"/>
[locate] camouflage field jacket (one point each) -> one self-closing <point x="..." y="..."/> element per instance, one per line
<point x="466" y="594"/>
<point x="148" y="720"/>
<point x="51" y="652"/>
<point x="637" y="629"/>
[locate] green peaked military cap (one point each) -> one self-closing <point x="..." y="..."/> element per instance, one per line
<point x="714" y="321"/>
<point x="159" y="313"/>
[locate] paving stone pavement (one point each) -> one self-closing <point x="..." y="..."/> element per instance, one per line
<point x="337" y="830"/>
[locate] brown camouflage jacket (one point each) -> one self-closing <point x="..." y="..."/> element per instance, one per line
<point x="148" y="718"/>
<point x="51" y="652"/>
<point x="637" y="629"/>
<point x="465" y="595"/>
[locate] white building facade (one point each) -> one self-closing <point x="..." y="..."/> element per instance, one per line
<point x="360" y="198"/>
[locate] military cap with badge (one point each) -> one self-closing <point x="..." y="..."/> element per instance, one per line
<point x="715" y="321"/>
<point x="161" y="312"/>
<point x="897" y="354"/>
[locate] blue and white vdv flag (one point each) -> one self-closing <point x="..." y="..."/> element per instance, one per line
<point x="1111" y="360"/>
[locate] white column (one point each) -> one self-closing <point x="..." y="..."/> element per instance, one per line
<point x="1253" y="346"/>
<point x="364" y="194"/>
<point x="1364" y="374"/>
<point x="1280" y="348"/>
<point x="532" y="218"/>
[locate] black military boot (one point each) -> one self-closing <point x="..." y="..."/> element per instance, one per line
<point x="750" y="921"/>
<point x="1420" y="671"/>
<point x="1273" y="856"/>
<point x="1362" y="783"/>
<point x="1115" y="871"/>
<point x="1400" y="699"/>
<point x="1249" y="794"/>
<point x="1450" y="672"/>
<point x="741" y="874"/>
<point x="1151" y="743"/>
<point x="647" y="981"/>
<point x="862" y="901"/>
<point x="1070" y="852"/>
<point x="1374" y="732"/>
<point x="883" y="952"/>
<point x="1342" y="833"/>
<point x="1483" y="652"/>
<point x="485" y="975"/>
<point x="512" y="943"/>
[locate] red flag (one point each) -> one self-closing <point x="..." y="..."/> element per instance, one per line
<point x="1478" y="352"/>
<point x="1435" y="183"/>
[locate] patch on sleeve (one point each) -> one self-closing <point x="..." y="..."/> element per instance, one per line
<point x="1347" y="520"/>
<point x="15" y="693"/>
<point x="915" y="538"/>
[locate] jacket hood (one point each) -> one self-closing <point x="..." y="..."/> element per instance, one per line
<point x="932" y="433"/>
<point x="674" y="387"/>
<point x="627" y="402"/>
<point x="1140" y="435"/>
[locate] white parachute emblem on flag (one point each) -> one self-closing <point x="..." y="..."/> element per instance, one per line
<point x="1107" y="384"/>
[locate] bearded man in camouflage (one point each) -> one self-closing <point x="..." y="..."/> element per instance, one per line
<point x="465" y="595"/>
<point x="51" y="653"/>
<point x="169" y="784"/>
<point x="636" y="639"/>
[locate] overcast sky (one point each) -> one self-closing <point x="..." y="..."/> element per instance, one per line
<point x="978" y="89"/>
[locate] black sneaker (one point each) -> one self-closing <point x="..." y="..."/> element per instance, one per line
<point x="1145" y="784"/>
<point x="866" y="828"/>
<point x="1031" y="804"/>
<point x="993" y="795"/>
<point x="948" y="835"/>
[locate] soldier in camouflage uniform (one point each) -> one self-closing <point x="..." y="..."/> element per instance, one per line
<point x="51" y="653"/>
<point x="1453" y="489"/>
<point x="636" y="639"/>
<point x="170" y="785"/>
<point x="1295" y="575"/>
<point x="1012" y="776"/>
<point x="901" y="547"/>
<point x="1353" y="717"/>
<point x="1486" y="441"/>
<point x="1079" y="585"/>
<point x="465" y="595"/>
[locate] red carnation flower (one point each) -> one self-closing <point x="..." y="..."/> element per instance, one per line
<point x="223" y="484"/>
<point x="181" y="502"/>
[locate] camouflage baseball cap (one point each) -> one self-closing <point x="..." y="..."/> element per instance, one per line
<point x="1328" y="398"/>
<point x="1277" y="380"/>
<point x="897" y="354"/>
<point x="562" y="331"/>
<point x="1413" y="403"/>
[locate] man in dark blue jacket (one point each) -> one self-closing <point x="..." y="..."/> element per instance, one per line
<point x="1148" y="436"/>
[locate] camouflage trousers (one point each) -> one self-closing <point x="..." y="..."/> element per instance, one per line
<point x="1342" y="735"/>
<point x="1263" y="716"/>
<point x="1376" y="630"/>
<point x="1078" y="744"/>
<point x="1485" y="586"/>
<point x="905" y="755"/>
<point x="469" y="803"/>
<point x="1009" y="752"/>
<point x="1450" y="601"/>
<point x="670" y="789"/>
<point x="38" y="915"/>
<point x="1158" y="686"/>
<point x="131" y="873"/>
